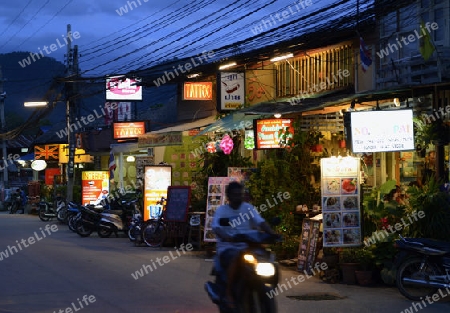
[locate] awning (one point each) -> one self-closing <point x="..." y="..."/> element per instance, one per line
<point x="187" y="126"/>
<point x="233" y="121"/>
<point x="27" y="157"/>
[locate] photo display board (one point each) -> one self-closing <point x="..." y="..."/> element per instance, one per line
<point x="341" y="201"/>
<point x="216" y="197"/>
<point x="178" y="199"/>
<point x="308" y="244"/>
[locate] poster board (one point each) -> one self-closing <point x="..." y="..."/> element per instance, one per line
<point x="157" y="179"/>
<point x="308" y="244"/>
<point x="94" y="186"/>
<point x="178" y="200"/>
<point x="341" y="201"/>
<point x="216" y="197"/>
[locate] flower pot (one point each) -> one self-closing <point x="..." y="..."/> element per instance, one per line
<point x="364" y="278"/>
<point x="348" y="273"/>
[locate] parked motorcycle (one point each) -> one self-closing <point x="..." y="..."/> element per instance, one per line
<point x="49" y="210"/>
<point x="135" y="229"/>
<point x="259" y="274"/>
<point x="88" y="220"/>
<point x="72" y="214"/>
<point x="423" y="267"/>
<point x="118" y="217"/>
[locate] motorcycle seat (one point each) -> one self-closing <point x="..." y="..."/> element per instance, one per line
<point x="441" y="245"/>
<point x="116" y="212"/>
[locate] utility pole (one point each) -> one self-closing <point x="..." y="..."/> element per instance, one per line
<point x="3" y="128"/>
<point x="72" y="72"/>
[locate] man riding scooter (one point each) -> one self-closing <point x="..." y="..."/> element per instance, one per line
<point x="241" y="217"/>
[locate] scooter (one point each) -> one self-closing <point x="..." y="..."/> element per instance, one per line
<point x="423" y="267"/>
<point x="113" y="221"/>
<point x="49" y="210"/>
<point x="258" y="276"/>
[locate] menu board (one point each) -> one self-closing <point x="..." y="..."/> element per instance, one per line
<point x="341" y="201"/>
<point x="178" y="198"/>
<point x="157" y="178"/>
<point x="95" y="186"/>
<point x="216" y="196"/>
<point x="308" y="245"/>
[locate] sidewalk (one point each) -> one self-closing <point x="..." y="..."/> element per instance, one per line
<point x="315" y="295"/>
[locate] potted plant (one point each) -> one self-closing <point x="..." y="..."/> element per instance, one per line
<point x="348" y="263"/>
<point x="366" y="260"/>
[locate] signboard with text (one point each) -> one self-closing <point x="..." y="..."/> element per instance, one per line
<point x="127" y="130"/>
<point x="267" y="132"/>
<point x="378" y="131"/>
<point x="95" y="186"/>
<point x="197" y="91"/>
<point x="232" y="90"/>
<point x="123" y="88"/>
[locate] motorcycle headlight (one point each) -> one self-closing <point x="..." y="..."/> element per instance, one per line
<point x="265" y="269"/>
<point x="249" y="258"/>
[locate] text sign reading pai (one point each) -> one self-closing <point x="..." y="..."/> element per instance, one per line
<point x="125" y="130"/>
<point x="197" y="91"/>
<point x="377" y="131"/>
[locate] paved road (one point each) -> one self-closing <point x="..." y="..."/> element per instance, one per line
<point x="51" y="269"/>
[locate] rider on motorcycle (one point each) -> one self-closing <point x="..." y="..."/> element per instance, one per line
<point x="241" y="217"/>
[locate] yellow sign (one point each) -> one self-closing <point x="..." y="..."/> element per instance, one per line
<point x="80" y="155"/>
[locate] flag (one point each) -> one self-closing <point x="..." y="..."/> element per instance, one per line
<point x="366" y="59"/>
<point x="112" y="165"/>
<point x="426" y="46"/>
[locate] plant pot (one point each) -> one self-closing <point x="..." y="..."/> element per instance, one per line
<point x="364" y="278"/>
<point x="348" y="272"/>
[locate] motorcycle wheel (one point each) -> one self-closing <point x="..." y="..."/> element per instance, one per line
<point x="253" y="300"/>
<point x="104" y="232"/>
<point x="43" y="217"/>
<point x="82" y="229"/>
<point x="71" y="222"/>
<point x="130" y="232"/>
<point x="411" y="268"/>
<point x="152" y="234"/>
<point x="62" y="215"/>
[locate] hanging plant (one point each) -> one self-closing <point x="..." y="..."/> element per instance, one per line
<point x="226" y="144"/>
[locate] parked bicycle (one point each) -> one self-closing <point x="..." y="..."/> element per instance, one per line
<point x="154" y="230"/>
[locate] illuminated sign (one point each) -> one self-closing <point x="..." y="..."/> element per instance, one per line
<point x="124" y="130"/>
<point x="197" y="91"/>
<point x="377" y="131"/>
<point x="232" y="90"/>
<point x="268" y="132"/>
<point x="95" y="186"/>
<point x="123" y="88"/>
<point x="156" y="181"/>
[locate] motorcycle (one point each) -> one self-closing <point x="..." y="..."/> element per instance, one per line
<point x="49" y="210"/>
<point x="423" y="267"/>
<point x="118" y="219"/>
<point x="88" y="220"/>
<point x="135" y="229"/>
<point x="259" y="274"/>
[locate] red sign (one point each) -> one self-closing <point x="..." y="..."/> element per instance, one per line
<point x="50" y="175"/>
<point x="267" y="134"/>
<point x="125" y="130"/>
<point x="197" y="91"/>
